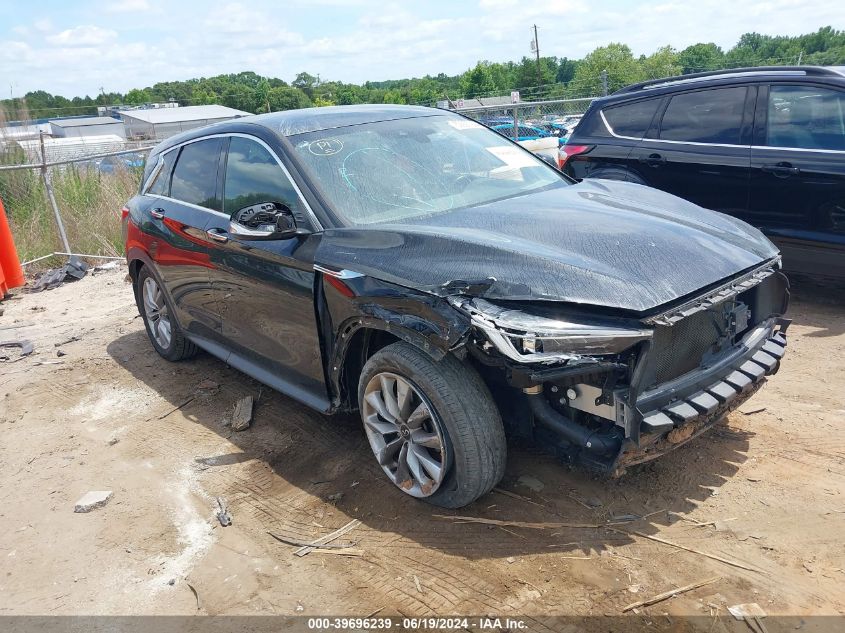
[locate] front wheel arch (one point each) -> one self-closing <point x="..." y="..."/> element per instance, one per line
<point x="356" y="342"/>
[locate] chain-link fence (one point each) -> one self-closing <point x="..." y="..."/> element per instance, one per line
<point x="64" y="196"/>
<point x="528" y="120"/>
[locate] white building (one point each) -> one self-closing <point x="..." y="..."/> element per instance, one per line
<point x="87" y="126"/>
<point x="164" y="122"/>
<point x="61" y="149"/>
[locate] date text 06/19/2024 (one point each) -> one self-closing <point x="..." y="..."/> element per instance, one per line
<point x="414" y="624"/>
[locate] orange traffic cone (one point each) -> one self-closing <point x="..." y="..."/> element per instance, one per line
<point x="11" y="272"/>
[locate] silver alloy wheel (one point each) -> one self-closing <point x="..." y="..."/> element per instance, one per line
<point x="405" y="434"/>
<point x="155" y="310"/>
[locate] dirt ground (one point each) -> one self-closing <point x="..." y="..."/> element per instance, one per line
<point x="764" y="492"/>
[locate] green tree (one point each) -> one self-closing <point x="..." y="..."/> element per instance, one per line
<point x="662" y="63"/>
<point x="287" y="98"/>
<point x="701" y="57"/>
<point x="617" y="59"/>
<point x="306" y="83"/>
<point x="477" y="81"/>
<point x="137" y="97"/>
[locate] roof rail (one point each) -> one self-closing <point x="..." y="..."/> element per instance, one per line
<point x="816" y="71"/>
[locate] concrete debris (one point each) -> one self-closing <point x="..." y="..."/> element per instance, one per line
<point x="750" y="612"/>
<point x="92" y="500"/>
<point x="223" y="513"/>
<point x="242" y="417"/>
<point x="532" y="483"/>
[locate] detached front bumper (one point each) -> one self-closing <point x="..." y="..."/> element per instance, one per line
<point x="675" y="412"/>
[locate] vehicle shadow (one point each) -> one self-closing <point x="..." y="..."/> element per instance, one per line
<point x="818" y="304"/>
<point x="321" y="461"/>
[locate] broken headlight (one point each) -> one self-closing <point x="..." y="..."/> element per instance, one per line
<point x="532" y="338"/>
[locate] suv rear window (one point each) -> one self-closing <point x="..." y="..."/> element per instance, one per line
<point x="806" y="117"/>
<point x="706" y="116"/>
<point x="195" y="175"/>
<point x="632" y="119"/>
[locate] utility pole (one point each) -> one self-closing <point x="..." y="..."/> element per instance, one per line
<point x="604" y="82"/>
<point x="537" y="52"/>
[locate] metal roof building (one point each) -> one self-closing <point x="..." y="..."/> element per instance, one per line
<point x="86" y="126"/>
<point x="58" y="149"/>
<point x="164" y="122"/>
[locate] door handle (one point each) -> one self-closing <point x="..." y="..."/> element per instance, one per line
<point x="218" y="235"/>
<point x="653" y="160"/>
<point x="157" y="213"/>
<point x="781" y="170"/>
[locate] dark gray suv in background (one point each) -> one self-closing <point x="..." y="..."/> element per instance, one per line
<point x="766" y="145"/>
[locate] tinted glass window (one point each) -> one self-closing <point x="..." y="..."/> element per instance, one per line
<point x="632" y="119"/>
<point x="806" y="117"/>
<point x="195" y="175"/>
<point x="161" y="184"/>
<point x="708" y="116"/>
<point x="253" y="176"/>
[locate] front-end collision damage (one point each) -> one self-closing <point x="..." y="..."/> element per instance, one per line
<point x="600" y="387"/>
<point x="611" y="392"/>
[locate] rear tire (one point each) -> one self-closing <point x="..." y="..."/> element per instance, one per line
<point x="157" y="311"/>
<point x="462" y="431"/>
<point x="618" y="173"/>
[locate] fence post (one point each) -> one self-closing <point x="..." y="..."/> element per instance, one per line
<point x="604" y="82"/>
<point x="515" y="123"/>
<point x="45" y="175"/>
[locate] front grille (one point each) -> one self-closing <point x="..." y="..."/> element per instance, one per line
<point x="679" y="348"/>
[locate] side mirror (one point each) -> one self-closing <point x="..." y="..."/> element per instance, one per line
<point x="265" y="221"/>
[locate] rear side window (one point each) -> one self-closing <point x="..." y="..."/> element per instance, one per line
<point x="195" y="175"/>
<point x="253" y="176"/>
<point x="632" y="119"/>
<point x="707" y="116"/>
<point x="806" y="117"/>
<point x="160" y="185"/>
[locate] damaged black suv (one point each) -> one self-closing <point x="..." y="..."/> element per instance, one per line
<point x="416" y="266"/>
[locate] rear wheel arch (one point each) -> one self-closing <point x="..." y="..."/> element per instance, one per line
<point x="618" y="173"/>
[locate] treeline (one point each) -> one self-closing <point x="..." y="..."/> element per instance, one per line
<point x="613" y="65"/>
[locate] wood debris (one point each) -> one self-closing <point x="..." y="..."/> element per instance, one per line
<point x="522" y="524"/>
<point x="727" y="561"/>
<point x="328" y="538"/>
<point x="242" y="416"/>
<point x="669" y="594"/>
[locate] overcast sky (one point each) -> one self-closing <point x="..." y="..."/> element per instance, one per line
<point x="75" y="47"/>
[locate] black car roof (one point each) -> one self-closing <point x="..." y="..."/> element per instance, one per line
<point x="292" y="122"/>
<point x="732" y="76"/>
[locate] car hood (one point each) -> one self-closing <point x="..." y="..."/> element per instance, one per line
<point x="600" y="242"/>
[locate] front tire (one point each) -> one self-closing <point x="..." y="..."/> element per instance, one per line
<point x="432" y="425"/>
<point x="156" y="310"/>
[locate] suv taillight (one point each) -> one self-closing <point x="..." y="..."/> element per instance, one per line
<point x="568" y="151"/>
<point x="124" y="213"/>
